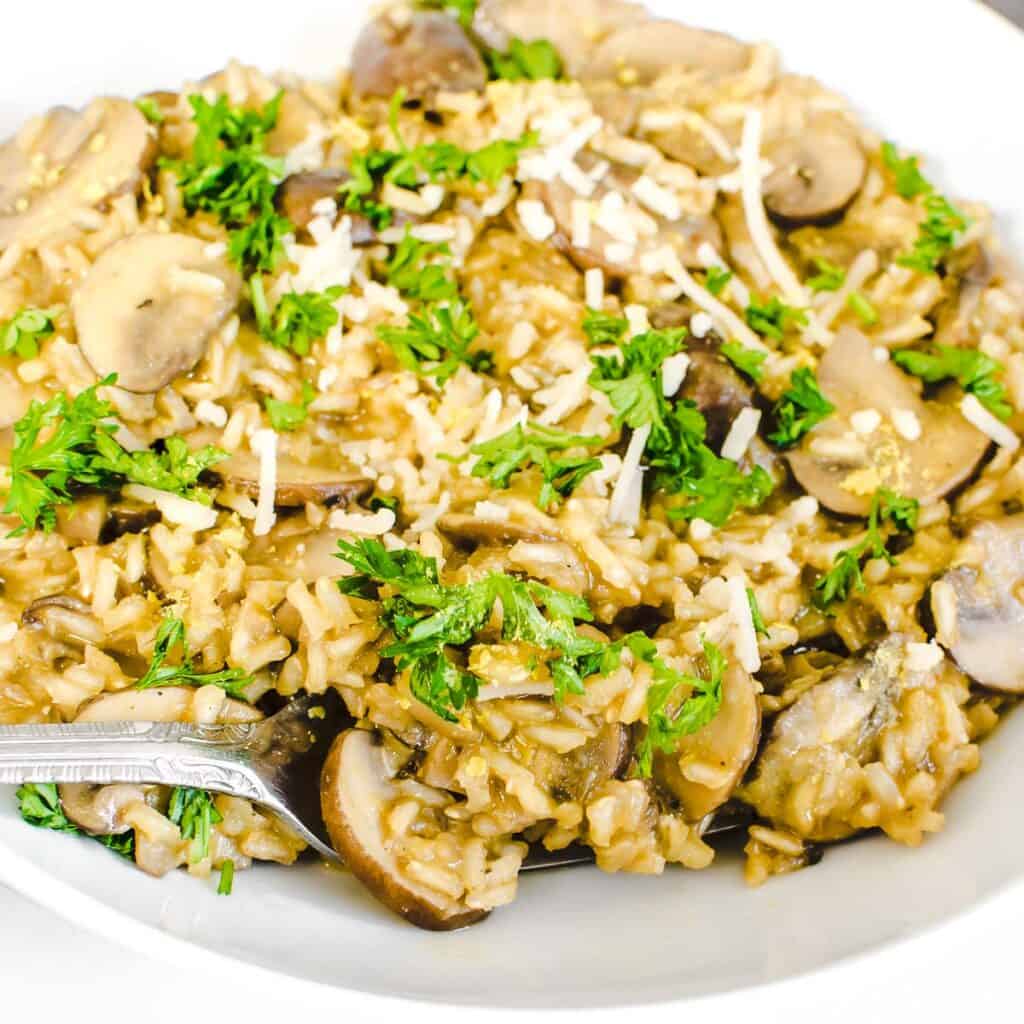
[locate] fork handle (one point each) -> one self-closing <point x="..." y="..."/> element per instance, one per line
<point x="163" y="753"/>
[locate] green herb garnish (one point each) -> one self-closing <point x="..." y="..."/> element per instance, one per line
<point x="974" y="371"/>
<point x="773" y="318"/>
<point x="193" y="811"/>
<point x="461" y="9"/>
<point x="409" y="271"/>
<point x="716" y="278"/>
<point x="299" y="319"/>
<point x="860" y="305"/>
<point x="227" y="878"/>
<point x="534" y="61"/>
<point x="286" y="416"/>
<point x="830" y="277"/>
<point x="150" y="109"/>
<point x="24" y="331"/>
<point x="39" y="804"/>
<point x="755" y="614"/>
<point x="910" y="182"/>
<point x="603" y="328"/>
<point x="170" y="635"/>
<point x="801" y="408"/>
<point x="746" y="360"/>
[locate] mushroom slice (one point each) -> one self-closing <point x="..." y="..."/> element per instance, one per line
<point x="640" y="53"/>
<point x="161" y="704"/>
<point x="496" y="531"/>
<point x="148" y="307"/>
<point x="843" y="469"/>
<point x="498" y="22"/>
<point x="707" y="766"/>
<point x="977" y="605"/>
<point x="425" y="54"/>
<point x="66" y="161"/>
<point x="64" y="618"/>
<point x="99" y="809"/>
<point x="297" y="484"/>
<point x="817" y="175"/>
<point x="356" y="787"/>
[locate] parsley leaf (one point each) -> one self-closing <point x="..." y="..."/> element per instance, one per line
<point x="24" y="331"/>
<point x="285" y="416"/>
<point x="603" y="328"/>
<point x="773" y="318"/>
<point x="64" y="441"/>
<point x="910" y="182"/>
<point x="227" y="878"/>
<point x="859" y="304"/>
<point x="150" y="109"/>
<point x="462" y="9"/>
<point x="972" y="370"/>
<point x="746" y="360"/>
<point x="409" y="272"/>
<point x="230" y="176"/>
<point x="170" y="635"/>
<point x="937" y="235"/>
<point x="755" y="614"/>
<point x="435" y="342"/>
<point x="299" y="319"/>
<point x="39" y="804"/>
<point x="519" y="448"/>
<point x="669" y="719"/>
<point x="887" y="508"/>
<point x="193" y="811"/>
<point x="533" y="61"/>
<point x="830" y="277"/>
<point x="716" y="278"/>
<point x="801" y="408"/>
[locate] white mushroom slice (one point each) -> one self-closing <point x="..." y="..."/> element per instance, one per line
<point x="297" y="484"/>
<point x="706" y="767"/>
<point x="356" y="787"/>
<point x="427" y="53"/>
<point x="638" y="54"/>
<point x="68" y="161"/>
<point x="580" y="772"/>
<point x="978" y="609"/>
<point x="844" y="475"/>
<point x="498" y="22"/>
<point x="162" y="704"/>
<point x="99" y="809"/>
<point x="817" y="174"/>
<point x="148" y="307"/>
<point x="499" y="532"/>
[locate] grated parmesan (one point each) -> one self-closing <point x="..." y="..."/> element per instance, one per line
<point x="364" y="523"/>
<point x="744" y="636"/>
<point x="174" y="508"/>
<point x="593" y="287"/>
<point x="741" y="433"/>
<point x="536" y="220"/>
<point x="673" y="373"/>
<point x="636" y="317"/>
<point x="628" y="491"/>
<point x="264" y="445"/>
<point x="907" y="425"/>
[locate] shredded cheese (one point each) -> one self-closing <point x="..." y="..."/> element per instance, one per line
<point x="741" y="433"/>
<point x="364" y="523"/>
<point x="264" y="445"/>
<point x="744" y="637"/>
<point x="174" y="508"/>
<point x="673" y="373"/>
<point x="624" y="507"/>
<point x="593" y="287"/>
<point x="975" y="413"/>
<point x="536" y="220"/>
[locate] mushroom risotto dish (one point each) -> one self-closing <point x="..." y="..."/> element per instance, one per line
<point x="625" y="432"/>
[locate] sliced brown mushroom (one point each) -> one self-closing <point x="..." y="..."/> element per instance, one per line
<point x="605" y="756"/>
<point x="424" y="54"/>
<point x="297" y="484"/>
<point x="126" y="519"/>
<point x="97" y="809"/>
<point x="640" y="53"/>
<point x="306" y="556"/>
<point x="843" y="470"/>
<point x="707" y="766"/>
<point x="977" y="606"/>
<point x="817" y="174"/>
<point x="357" y="785"/>
<point x="161" y="704"/>
<point x="953" y="319"/>
<point x="685" y="236"/>
<point x="496" y="531"/>
<point x="149" y="306"/>
<point x="299" y="193"/>
<point x="64" y="618"/>
<point x="297" y="119"/>
<point x="67" y="161"/>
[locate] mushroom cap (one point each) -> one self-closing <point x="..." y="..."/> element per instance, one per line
<point x="297" y="484"/>
<point x="707" y="766"/>
<point x="160" y="704"/>
<point x="640" y="53"/>
<point x="94" y="154"/>
<point x="843" y="471"/>
<point x="497" y="531"/>
<point x="977" y="607"/>
<point x="429" y="53"/>
<point x="148" y="307"/>
<point x="356" y="785"/>
<point x="817" y="174"/>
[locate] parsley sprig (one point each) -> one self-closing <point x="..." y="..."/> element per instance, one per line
<point x="974" y="371"/>
<point x="21" y="335"/>
<point x="65" y="441"/>
<point x="801" y="408"/>
<point x="298" y="319"/>
<point x="39" y="805"/>
<point x="230" y="175"/>
<point x="604" y="328"/>
<point x="409" y="271"/>
<point x="830" y="276"/>
<point x="170" y="635"/>
<point x="518" y="449"/>
<point x="746" y="360"/>
<point x="193" y="811"/>
<point x="773" y="318"/>
<point x="286" y="416"/>
<point x="533" y="61"/>
<point x="888" y="509"/>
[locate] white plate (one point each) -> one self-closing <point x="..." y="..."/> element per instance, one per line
<point x="934" y="76"/>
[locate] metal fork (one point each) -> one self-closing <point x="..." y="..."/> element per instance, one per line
<point x="275" y="763"/>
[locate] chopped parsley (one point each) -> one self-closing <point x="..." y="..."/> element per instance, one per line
<point x="150" y="109"/>
<point x="193" y="811"/>
<point x="830" y="277"/>
<point x="974" y="371"/>
<point x="755" y="614"/>
<point x="773" y="318"/>
<point x="409" y="271"/>
<point x="436" y="341"/>
<point x="286" y="416"/>
<point x="299" y="318"/>
<point x="887" y="509"/>
<point x="746" y="360"/>
<point x="230" y="175"/>
<point x="426" y="617"/>
<point x="716" y="278"/>
<point x="227" y="878"/>
<point x="535" y="445"/>
<point x="23" y="332"/>
<point x="603" y="328"/>
<point x="39" y="804"/>
<point x="801" y="408"/>
<point x="860" y="305"/>
<point x="938" y="232"/>
<point x="461" y="9"/>
<point x="533" y="61"/>
<point x="171" y="635"/>
<point x="681" y="462"/>
<point x="66" y="441"/>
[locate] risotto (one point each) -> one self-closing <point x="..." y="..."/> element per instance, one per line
<point x="621" y="428"/>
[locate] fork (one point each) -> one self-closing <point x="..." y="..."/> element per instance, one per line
<point x="275" y="763"/>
